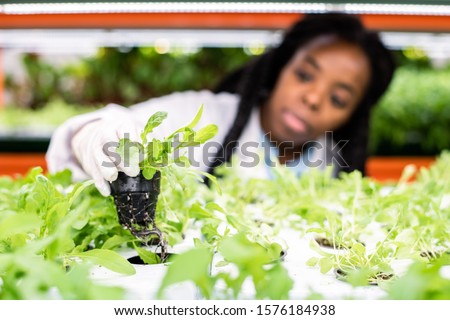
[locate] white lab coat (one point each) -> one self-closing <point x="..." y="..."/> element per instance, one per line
<point x="219" y="109"/>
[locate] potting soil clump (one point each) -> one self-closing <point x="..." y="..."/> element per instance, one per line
<point x="135" y="199"/>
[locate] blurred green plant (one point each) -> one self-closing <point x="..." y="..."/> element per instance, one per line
<point x="51" y="114"/>
<point x="122" y="75"/>
<point x="411" y="119"/>
<point x="40" y="86"/>
<point x="412" y="57"/>
<point x="413" y="116"/>
<point x="421" y="282"/>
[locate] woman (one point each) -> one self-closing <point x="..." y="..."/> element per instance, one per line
<point x="305" y="103"/>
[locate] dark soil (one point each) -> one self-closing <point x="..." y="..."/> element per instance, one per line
<point x="260" y="222"/>
<point x="135" y="199"/>
<point x="431" y="255"/>
<point x="326" y="243"/>
<point x="380" y="276"/>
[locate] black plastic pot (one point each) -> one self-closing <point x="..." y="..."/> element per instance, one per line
<point x="136" y="199"/>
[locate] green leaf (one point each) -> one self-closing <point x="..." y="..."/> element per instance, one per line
<point x="215" y="206"/>
<point x="148" y="172"/>
<point x="316" y="247"/>
<point x="422" y="281"/>
<point x="325" y="265"/>
<point x="407" y="237"/>
<point x="154" y="121"/>
<point x="359" y="249"/>
<point x="77" y="285"/>
<point x="359" y="277"/>
<point x="408" y="172"/>
<point x="33" y="173"/>
<point x="196" y="211"/>
<point x="312" y="262"/>
<point x="56" y="214"/>
<point x="113" y="242"/>
<point x="196" y="118"/>
<point x="274" y="251"/>
<point x="59" y="246"/>
<point x="238" y="249"/>
<point x="155" y="148"/>
<point x="19" y="223"/>
<point x="78" y="189"/>
<point x="205" y="133"/>
<point x="129" y="152"/>
<point x="192" y="265"/>
<point x="80" y="223"/>
<point x="212" y="178"/>
<point x="315" y="230"/>
<point x="108" y="259"/>
<point x="147" y="256"/>
<point x="199" y="137"/>
<point x="278" y="284"/>
<point x="5" y="260"/>
<point x="188" y="130"/>
<point x="63" y="177"/>
<point x="183" y="162"/>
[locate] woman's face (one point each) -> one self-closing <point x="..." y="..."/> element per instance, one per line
<point x="317" y="91"/>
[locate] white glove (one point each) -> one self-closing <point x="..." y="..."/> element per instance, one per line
<point x="94" y="147"/>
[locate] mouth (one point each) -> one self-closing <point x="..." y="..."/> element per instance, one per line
<point x="295" y="123"/>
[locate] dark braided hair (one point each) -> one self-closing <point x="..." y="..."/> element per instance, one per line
<point x="255" y="81"/>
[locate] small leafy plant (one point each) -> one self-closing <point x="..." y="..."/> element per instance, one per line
<point x="136" y="198"/>
<point x="158" y="154"/>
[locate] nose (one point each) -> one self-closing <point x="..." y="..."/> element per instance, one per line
<point x="313" y="97"/>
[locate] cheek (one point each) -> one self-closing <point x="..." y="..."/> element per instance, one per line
<point x="287" y="88"/>
<point x="335" y="119"/>
<point x="277" y="100"/>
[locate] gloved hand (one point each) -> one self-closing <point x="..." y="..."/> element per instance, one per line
<point x="94" y="147"/>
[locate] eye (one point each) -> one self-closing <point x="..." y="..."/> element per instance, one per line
<point x="338" y="102"/>
<point x="304" y="76"/>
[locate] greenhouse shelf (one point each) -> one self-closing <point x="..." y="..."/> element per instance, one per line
<point x="210" y="20"/>
<point x="383" y="169"/>
<point x="386" y="169"/>
<point x="12" y="164"/>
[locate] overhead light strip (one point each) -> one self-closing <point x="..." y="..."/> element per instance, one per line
<point x="69" y="39"/>
<point x="135" y="7"/>
<point x="397" y="9"/>
<point x="226" y="7"/>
